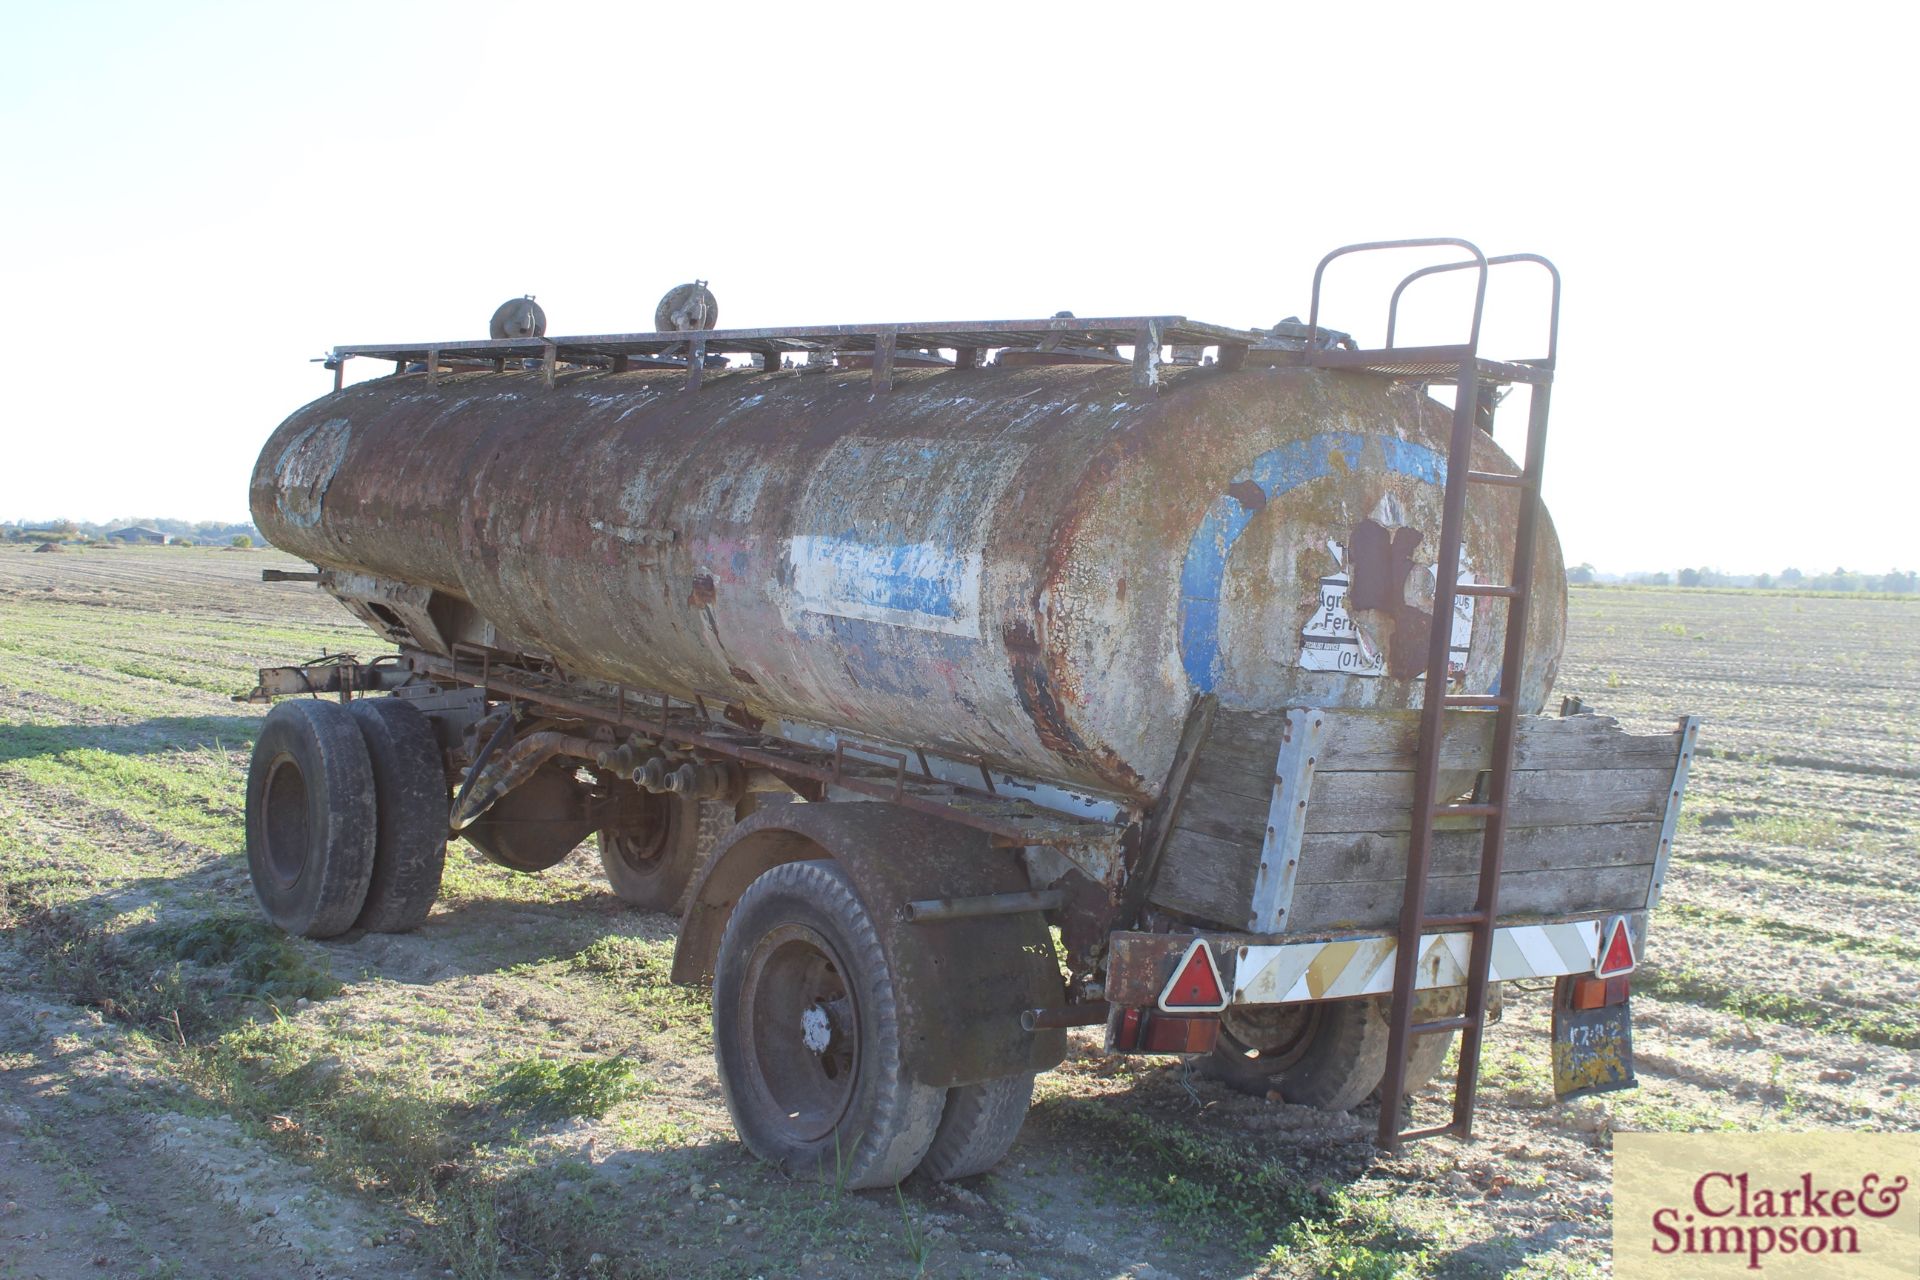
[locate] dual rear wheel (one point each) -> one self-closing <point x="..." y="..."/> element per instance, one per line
<point x="346" y="817"/>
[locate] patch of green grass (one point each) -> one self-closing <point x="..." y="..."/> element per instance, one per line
<point x="639" y="970"/>
<point x="1356" y="1239"/>
<point x="1687" y="983"/>
<point x="391" y="1128"/>
<point x="180" y="981"/>
<point x="1798" y="830"/>
<point x="1202" y="1184"/>
<point x="1761" y="926"/>
<point x="193" y="796"/>
<point x="545" y="1089"/>
<point x="260" y="962"/>
<point x="1638" y="1112"/>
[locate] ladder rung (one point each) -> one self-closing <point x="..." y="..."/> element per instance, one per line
<point x="1459" y="1022"/>
<point x="1500" y="478"/>
<point x="1453" y="922"/>
<point x="1476" y="700"/>
<point x="1500" y="589"/>
<point x="1465" y="810"/>
<point x="1451" y="1127"/>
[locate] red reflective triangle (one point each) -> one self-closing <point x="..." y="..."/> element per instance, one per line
<point x="1196" y="981"/>
<point x="1617" y="957"/>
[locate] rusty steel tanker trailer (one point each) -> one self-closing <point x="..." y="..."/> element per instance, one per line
<point x="1220" y="651"/>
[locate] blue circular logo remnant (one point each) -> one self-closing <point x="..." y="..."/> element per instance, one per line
<point x="1274" y="473"/>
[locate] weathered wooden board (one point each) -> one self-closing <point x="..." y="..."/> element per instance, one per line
<point x="1213" y="879"/>
<point x="1583" y="817"/>
<point x="1384" y="802"/>
<point x="1357" y="904"/>
<point x="1386" y="741"/>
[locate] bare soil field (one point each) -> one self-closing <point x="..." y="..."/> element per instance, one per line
<point x="516" y="1090"/>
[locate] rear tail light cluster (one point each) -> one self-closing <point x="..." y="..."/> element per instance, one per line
<point x="1607" y="985"/>
<point x="1149" y="1031"/>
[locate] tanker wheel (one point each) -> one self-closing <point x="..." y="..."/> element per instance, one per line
<point x="1257" y="1043"/>
<point x="410" y="793"/>
<point x="1343" y="1060"/>
<point x="806" y="1029"/>
<point x="977" y="1127"/>
<point x="651" y="860"/>
<point x="1428" y="1053"/>
<point x="311" y="825"/>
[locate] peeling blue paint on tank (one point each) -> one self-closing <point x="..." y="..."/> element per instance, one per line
<point x="917" y="585"/>
<point x="1275" y="473"/>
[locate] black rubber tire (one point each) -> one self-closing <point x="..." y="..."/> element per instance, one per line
<point x="410" y="787"/>
<point x="977" y="1127"/>
<point x="650" y="865"/>
<point x="311" y="825"/>
<point x="1428" y="1053"/>
<point x="1343" y="1064"/>
<point x="869" y="1124"/>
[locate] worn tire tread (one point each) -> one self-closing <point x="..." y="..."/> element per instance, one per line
<point x="904" y="1115"/>
<point x="410" y="789"/>
<point x="341" y="827"/>
<point x="978" y="1127"/>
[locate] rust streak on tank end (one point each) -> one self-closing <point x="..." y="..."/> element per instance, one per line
<point x="703" y="592"/>
<point x="1036" y="691"/>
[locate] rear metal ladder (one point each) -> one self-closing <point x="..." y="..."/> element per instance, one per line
<point x="1475" y="380"/>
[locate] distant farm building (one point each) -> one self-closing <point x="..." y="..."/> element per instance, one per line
<point x="140" y="534"/>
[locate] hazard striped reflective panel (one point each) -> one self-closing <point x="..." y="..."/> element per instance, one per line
<point x="1616" y="958"/>
<point x="1289" y="972"/>
<point x="1195" y="986"/>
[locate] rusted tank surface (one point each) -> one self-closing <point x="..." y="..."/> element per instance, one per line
<point x="1036" y="566"/>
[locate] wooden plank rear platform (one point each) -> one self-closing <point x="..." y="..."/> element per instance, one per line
<point x="1584" y="825"/>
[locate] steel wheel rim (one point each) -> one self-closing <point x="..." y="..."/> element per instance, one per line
<point x="802" y="1032"/>
<point x="1286" y="1045"/>
<point x="638" y="848"/>
<point x="284" y="829"/>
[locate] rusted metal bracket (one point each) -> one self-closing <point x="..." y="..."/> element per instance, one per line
<point x="1687" y="731"/>
<point x="339" y="674"/>
<point x="989" y="904"/>
<point x="1300" y="744"/>
<point x="885" y="342"/>
<point x="1146" y="355"/>
<point x="289" y="575"/>
<point x="1016" y="823"/>
<point x="696" y="362"/>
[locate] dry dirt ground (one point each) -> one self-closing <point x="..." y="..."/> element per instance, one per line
<point x="515" y="1089"/>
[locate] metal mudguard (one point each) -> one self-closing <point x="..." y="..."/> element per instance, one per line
<point x="963" y="983"/>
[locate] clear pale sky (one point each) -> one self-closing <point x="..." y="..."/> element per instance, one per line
<point x="199" y="198"/>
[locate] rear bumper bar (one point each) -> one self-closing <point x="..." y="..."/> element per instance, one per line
<point x="1261" y="971"/>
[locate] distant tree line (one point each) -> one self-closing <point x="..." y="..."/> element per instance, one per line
<point x="1898" y="582"/>
<point x="212" y="532"/>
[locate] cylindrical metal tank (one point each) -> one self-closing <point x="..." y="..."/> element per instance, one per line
<point x="1036" y="566"/>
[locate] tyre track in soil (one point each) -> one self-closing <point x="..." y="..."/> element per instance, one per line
<point x="94" y="1181"/>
